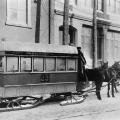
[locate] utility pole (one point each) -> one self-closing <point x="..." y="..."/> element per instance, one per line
<point x="38" y="14"/>
<point x="50" y="12"/>
<point x="66" y="22"/>
<point x="95" y="34"/>
<point x="51" y="21"/>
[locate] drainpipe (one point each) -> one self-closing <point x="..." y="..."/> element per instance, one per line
<point x="95" y="34"/>
<point x="66" y="22"/>
<point x="38" y="14"/>
<point x="49" y="22"/>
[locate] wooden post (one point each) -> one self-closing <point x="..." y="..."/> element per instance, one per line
<point x="66" y="22"/>
<point x="38" y="14"/>
<point x="51" y="22"/>
<point x="95" y="34"/>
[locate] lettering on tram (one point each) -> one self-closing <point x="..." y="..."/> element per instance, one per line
<point x="44" y="78"/>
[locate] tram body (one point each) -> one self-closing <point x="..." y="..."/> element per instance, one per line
<point x="28" y="69"/>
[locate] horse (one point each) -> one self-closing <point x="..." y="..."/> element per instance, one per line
<point x="97" y="76"/>
<point x="110" y="78"/>
<point x="100" y="75"/>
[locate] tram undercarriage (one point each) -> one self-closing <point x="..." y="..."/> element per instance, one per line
<point x="30" y="96"/>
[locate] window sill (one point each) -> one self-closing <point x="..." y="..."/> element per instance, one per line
<point x="50" y="72"/>
<point x="18" y="25"/>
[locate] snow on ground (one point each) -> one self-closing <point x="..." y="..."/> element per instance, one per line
<point x="53" y="110"/>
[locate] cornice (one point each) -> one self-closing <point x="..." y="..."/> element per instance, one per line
<point x="101" y="20"/>
<point x="80" y="17"/>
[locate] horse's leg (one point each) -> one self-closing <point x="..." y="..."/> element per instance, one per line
<point x="112" y="85"/>
<point x="115" y="86"/>
<point x="98" y="88"/>
<point x="108" y="94"/>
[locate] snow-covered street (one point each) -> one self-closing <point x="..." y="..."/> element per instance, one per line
<point x="90" y="109"/>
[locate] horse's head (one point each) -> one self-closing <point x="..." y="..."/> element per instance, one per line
<point x="104" y="65"/>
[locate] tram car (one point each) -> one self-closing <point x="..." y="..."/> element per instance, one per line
<point x="29" y="71"/>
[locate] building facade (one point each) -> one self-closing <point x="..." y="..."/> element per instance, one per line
<point x="41" y="21"/>
<point x="81" y="19"/>
<point x="19" y="20"/>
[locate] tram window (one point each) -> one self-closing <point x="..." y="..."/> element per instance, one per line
<point x="12" y="64"/>
<point x="1" y="64"/>
<point x="38" y="65"/>
<point x="26" y="64"/>
<point x="71" y="64"/>
<point x="61" y="62"/>
<point x="50" y="64"/>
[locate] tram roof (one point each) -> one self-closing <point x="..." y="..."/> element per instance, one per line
<point x="36" y="47"/>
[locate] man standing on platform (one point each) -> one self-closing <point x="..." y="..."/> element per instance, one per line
<point x="82" y="78"/>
